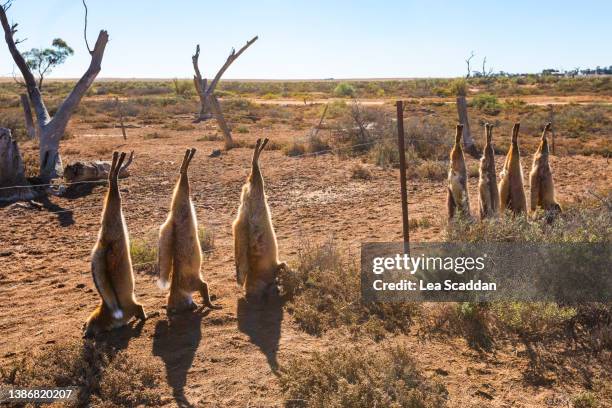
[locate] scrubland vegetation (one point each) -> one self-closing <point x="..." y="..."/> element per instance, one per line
<point x="102" y="375"/>
<point x="372" y="361"/>
<point x="349" y="377"/>
<point x="324" y="294"/>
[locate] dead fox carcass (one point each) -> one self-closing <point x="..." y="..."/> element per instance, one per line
<point x="94" y="170"/>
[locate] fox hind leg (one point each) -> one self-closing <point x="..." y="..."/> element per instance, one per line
<point x="203" y="289"/>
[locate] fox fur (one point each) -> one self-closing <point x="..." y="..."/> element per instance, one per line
<point x="180" y="252"/>
<point x="541" y="179"/>
<point x="511" y="190"/>
<point x="458" y="202"/>
<point x="488" y="194"/>
<point x="111" y="264"/>
<point x="255" y="246"/>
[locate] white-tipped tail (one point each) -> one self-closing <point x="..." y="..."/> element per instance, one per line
<point x="163" y="284"/>
<point x="118" y="314"/>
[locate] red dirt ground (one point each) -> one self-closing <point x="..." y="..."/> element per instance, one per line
<point x="226" y="357"/>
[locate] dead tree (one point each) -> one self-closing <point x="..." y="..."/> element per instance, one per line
<point x="468" y="61"/>
<point x="12" y="170"/>
<point x="484" y="72"/>
<point x="51" y="129"/>
<point x="209" y="104"/>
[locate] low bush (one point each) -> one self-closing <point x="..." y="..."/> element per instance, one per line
<point x="431" y="170"/>
<point x="352" y="377"/>
<point x="144" y="250"/>
<point x="591" y="221"/>
<point x="344" y="89"/>
<point x="314" y="144"/>
<point x="103" y="376"/>
<point x="207" y="239"/>
<point x="487" y="103"/>
<point x="323" y="292"/>
<point x="360" y="172"/>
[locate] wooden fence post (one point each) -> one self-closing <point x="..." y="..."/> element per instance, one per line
<point x="552" y="127"/>
<point x="402" y="158"/>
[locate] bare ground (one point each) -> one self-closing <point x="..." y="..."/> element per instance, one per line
<point x="229" y="357"/>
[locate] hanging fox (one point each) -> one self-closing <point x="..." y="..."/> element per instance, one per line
<point x="458" y="202"/>
<point x="111" y="264"/>
<point x="541" y="179"/>
<point x="180" y="252"/>
<point x="255" y="246"/>
<point x="511" y="190"/>
<point x="488" y="194"/>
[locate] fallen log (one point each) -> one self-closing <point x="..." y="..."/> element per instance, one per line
<point x="92" y="171"/>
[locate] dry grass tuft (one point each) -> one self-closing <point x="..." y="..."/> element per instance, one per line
<point x="104" y="377"/>
<point x="361" y="172"/>
<point x="324" y="293"/>
<point x="350" y="377"/>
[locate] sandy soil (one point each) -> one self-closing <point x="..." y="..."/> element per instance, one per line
<point x="229" y="356"/>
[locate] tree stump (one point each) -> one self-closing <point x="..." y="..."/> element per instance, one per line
<point x="468" y="141"/>
<point x="12" y="170"/>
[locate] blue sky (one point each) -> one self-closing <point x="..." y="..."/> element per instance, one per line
<point x="320" y="39"/>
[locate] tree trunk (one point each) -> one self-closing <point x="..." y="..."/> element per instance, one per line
<point x="50" y="159"/>
<point x="50" y="130"/>
<point x="468" y="142"/>
<point x="12" y="170"/>
<point x="27" y="112"/>
<point x="209" y="105"/>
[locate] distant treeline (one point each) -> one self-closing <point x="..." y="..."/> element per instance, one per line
<point x="556" y="72"/>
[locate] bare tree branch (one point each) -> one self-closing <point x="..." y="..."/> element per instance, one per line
<point x="467" y="61"/>
<point x="85" y="29"/>
<point x="33" y="92"/>
<point x="72" y="100"/>
<point x="231" y="58"/>
<point x="209" y="105"/>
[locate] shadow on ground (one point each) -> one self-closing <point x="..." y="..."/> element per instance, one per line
<point x="176" y="341"/>
<point x="261" y="321"/>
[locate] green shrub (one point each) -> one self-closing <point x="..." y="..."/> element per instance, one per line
<point x="344" y="89"/>
<point x="458" y="87"/>
<point x="487" y="103"/>
<point x="532" y="318"/>
<point x="183" y="88"/>
<point x="210" y="138"/>
<point x="144" y="250"/>
<point x="585" y="400"/>
<point x="354" y="378"/>
<point x="207" y="239"/>
<point x="385" y="154"/>
<point x="591" y="221"/>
